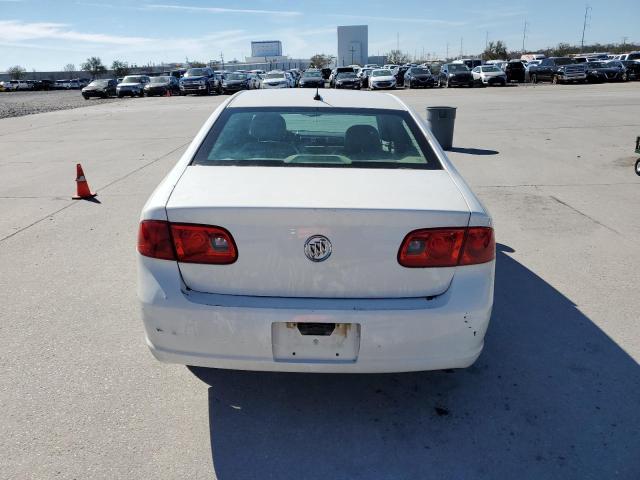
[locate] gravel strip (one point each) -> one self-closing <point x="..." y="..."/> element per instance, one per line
<point x="17" y="104"/>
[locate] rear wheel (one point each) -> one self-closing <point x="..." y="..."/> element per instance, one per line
<point x="638" y="167"/>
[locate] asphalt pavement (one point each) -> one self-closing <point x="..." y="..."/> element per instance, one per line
<point x="556" y="393"/>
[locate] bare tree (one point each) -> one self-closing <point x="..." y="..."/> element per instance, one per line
<point x="496" y="51"/>
<point x="321" y="60"/>
<point x="397" y="57"/>
<point x="69" y="67"/>
<point x="196" y="64"/>
<point x="94" y="66"/>
<point x="120" y="68"/>
<point x="16" y="72"/>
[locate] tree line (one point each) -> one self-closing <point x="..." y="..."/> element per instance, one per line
<point x="495" y="50"/>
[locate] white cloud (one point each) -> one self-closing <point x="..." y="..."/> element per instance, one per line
<point x="187" y="8"/>
<point x="427" y="21"/>
<point x="16" y="31"/>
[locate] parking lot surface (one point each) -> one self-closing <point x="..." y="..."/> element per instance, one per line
<point x="554" y="395"/>
<point x="17" y="104"/>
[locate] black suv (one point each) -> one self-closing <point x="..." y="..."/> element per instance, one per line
<point x="452" y="74"/>
<point x="100" y="88"/>
<point x="515" y="71"/>
<point x="419" y="77"/>
<point x="201" y="81"/>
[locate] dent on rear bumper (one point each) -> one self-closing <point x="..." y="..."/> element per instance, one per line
<point x="227" y="331"/>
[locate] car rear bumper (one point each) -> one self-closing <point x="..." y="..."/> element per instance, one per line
<point x="235" y="332"/>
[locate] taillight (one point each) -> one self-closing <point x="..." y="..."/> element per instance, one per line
<point x="154" y="240"/>
<point x="185" y="242"/>
<point x="447" y="247"/>
<point x="479" y="246"/>
<point x="203" y="244"/>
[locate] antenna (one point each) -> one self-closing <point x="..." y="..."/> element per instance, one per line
<point x="317" y="95"/>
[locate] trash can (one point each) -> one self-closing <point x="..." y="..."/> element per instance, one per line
<point x="441" y="121"/>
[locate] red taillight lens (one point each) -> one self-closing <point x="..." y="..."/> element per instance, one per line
<point x="185" y="242"/>
<point x="154" y="240"/>
<point x="432" y="247"/>
<point x="203" y="244"/>
<point x="479" y="246"/>
<point x="447" y="247"/>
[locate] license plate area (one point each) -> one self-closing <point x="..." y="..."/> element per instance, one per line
<point x="315" y="342"/>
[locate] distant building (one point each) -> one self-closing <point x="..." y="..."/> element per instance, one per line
<point x="379" y="60"/>
<point x="353" y="45"/>
<point x="269" y="48"/>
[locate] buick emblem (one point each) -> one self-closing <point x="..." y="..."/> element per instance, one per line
<point x="317" y="248"/>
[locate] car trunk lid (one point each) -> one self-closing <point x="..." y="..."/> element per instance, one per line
<point x="271" y="212"/>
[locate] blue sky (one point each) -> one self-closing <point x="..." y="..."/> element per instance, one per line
<point x="47" y="34"/>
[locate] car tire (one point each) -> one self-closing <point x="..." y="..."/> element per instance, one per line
<point x="638" y="167"/>
<point x="534" y="78"/>
<point x="86" y="97"/>
<point x="555" y="80"/>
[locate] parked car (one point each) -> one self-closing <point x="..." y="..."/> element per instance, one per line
<point x="63" y="84"/>
<point x="382" y="78"/>
<point x="364" y="75"/>
<point x="201" y="81"/>
<point x="162" y="85"/>
<point x="489" y="75"/>
<point x="633" y="68"/>
<point x="501" y="64"/>
<point x="335" y="72"/>
<point x="469" y="62"/>
<point x="276" y="79"/>
<point x="245" y="261"/>
<point x="178" y="73"/>
<point x="103" y="88"/>
<point x="419" y="77"/>
<point x="347" y="80"/>
<point x="515" y="71"/>
<point x="234" y="82"/>
<point x="399" y="73"/>
<point x="326" y="73"/>
<point x="598" y="72"/>
<point x="132" y="85"/>
<point x="311" y="78"/>
<point x="455" y="74"/>
<point x="558" y="70"/>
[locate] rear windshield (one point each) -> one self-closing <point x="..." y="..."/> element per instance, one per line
<point x="316" y="137"/>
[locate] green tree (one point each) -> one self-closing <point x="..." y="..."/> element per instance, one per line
<point x="320" y="60"/>
<point x="397" y="57"/>
<point x="495" y="51"/>
<point x="69" y="67"/>
<point x="120" y="68"/>
<point x="94" y="66"/>
<point x="16" y="72"/>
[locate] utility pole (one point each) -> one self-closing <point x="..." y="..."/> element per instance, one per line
<point x="584" y="26"/>
<point x="352" y="50"/>
<point x="461" y="54"/>
<point x="447" y="58"/>
<point x="222" y="60"/>
<point x="398" y="40"/>
<point x="524" y="35"/>
<point x="486" y="41"/>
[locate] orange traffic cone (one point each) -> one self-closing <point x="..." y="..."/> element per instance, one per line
<point x="82" y="186"/>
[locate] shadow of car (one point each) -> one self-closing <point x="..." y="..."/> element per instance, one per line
<point x="552" y="396"/>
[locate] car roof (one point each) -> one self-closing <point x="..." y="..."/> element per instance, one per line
<point x="304" y="98"/>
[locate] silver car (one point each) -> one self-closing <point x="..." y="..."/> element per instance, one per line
<point x="489" y="75"/>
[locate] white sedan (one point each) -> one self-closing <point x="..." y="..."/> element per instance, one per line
<point x="489" y="75"/>
<point x="382" y="79"/>
<point x="309" y="234"/>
